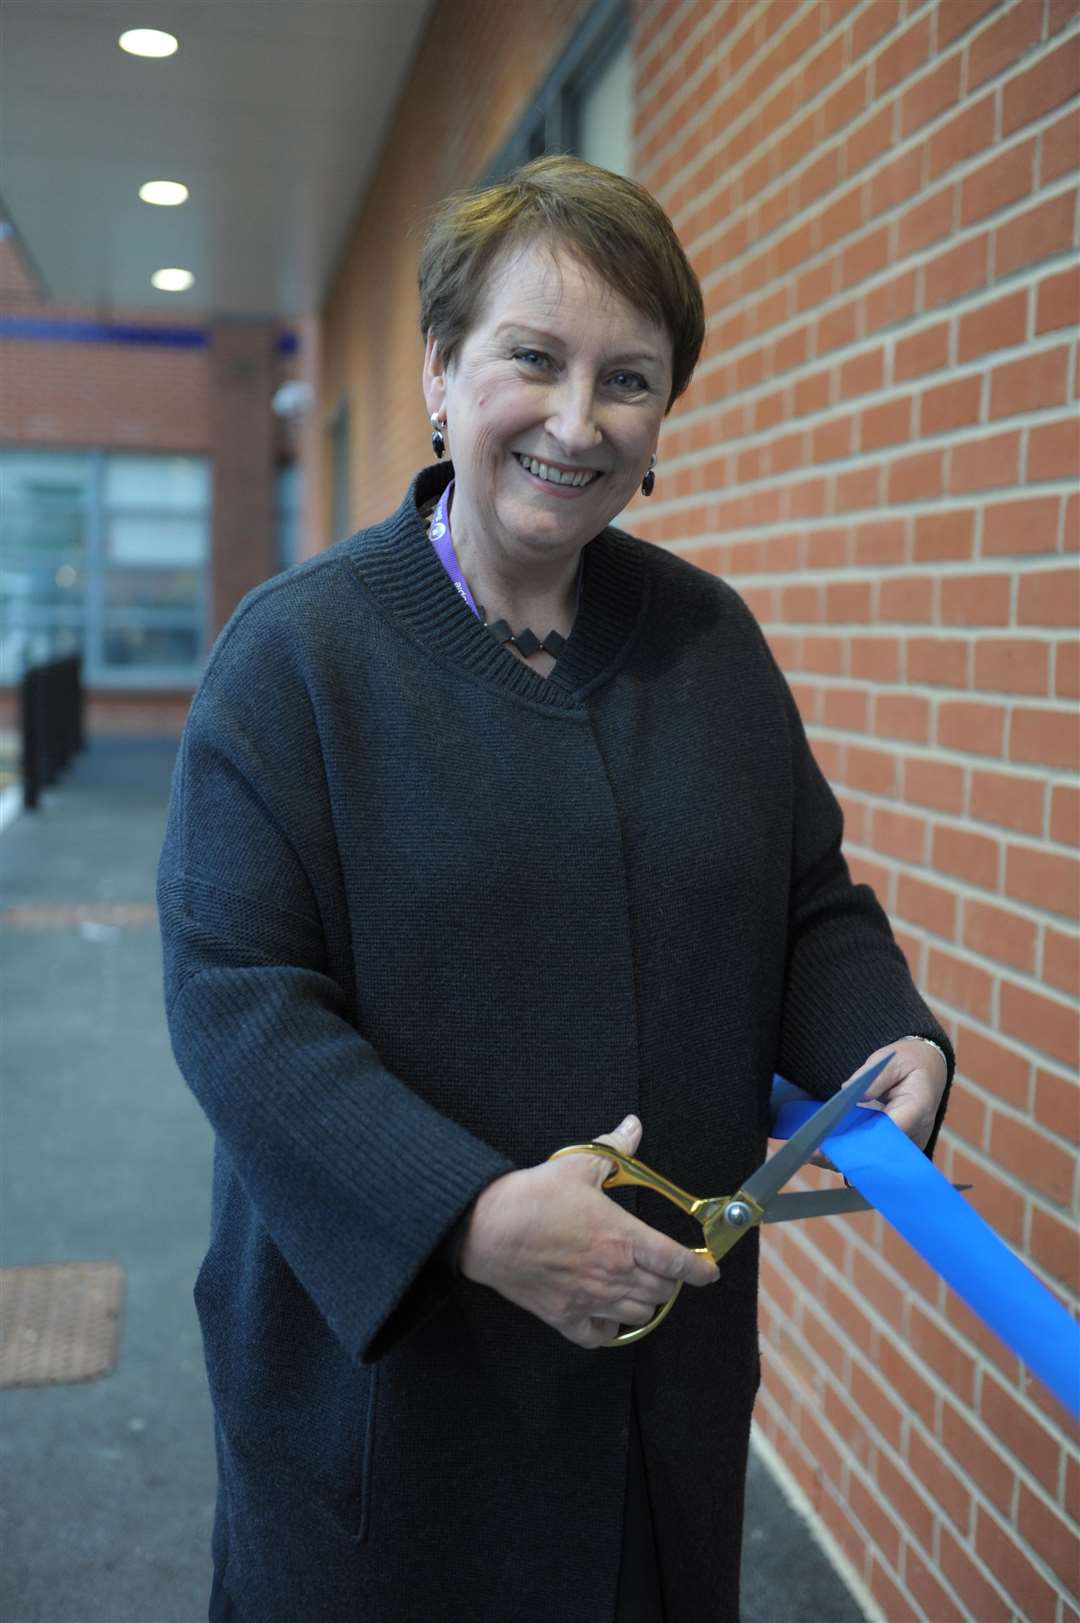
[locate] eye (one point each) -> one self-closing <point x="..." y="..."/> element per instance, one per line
<point x="630" y="382"/>
<point x="532" y="357"/>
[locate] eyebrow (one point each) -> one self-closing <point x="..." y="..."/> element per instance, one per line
<point x="523" y="328"/>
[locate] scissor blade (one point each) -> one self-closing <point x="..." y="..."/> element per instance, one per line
<point x="775" y="1172"/>
<point x="821" y="1203"/>
<point x="815" y="1203"/>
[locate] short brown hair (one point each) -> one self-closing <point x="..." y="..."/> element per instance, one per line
<point x="611" y="224"/>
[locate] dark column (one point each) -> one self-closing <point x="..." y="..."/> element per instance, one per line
<point x="242" y="380"/>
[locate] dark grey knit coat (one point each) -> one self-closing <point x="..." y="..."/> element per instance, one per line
<point x="427" y="917"/>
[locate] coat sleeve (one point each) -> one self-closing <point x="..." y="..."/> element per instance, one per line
<point x="359" y="1182"/>
<point x="848" y="989"/>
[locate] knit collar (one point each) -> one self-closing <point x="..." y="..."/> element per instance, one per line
<point x="401" y="570"/>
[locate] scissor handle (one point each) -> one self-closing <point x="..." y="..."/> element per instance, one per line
<point x="628" y="1170"/>
<point x="625" y="1337"/>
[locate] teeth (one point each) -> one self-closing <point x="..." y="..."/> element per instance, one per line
<point x="555" y="476"/>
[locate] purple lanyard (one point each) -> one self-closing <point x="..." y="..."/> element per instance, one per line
<point x="442" y="540"/>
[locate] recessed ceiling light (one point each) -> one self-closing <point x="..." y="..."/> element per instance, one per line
<point x="148" y="42"/>
<point x="166" y="193"/>
<point x="172" y="280"/>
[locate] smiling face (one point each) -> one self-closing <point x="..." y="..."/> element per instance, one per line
<point x="553" y="404"/>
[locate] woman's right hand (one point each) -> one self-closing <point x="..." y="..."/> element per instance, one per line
<point x="548" y="1239"/>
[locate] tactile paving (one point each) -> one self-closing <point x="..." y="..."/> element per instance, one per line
<point x="59" y="1322"/>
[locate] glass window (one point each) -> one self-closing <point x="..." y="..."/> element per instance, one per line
<point x="42" y="582"/>
<point x="41" y="526"/>
<point x="159" y="538"/>
<point x="151" y="647"/>
<point x="153" y="588"/>
<point x="45" y="524"/>
<point x="44" y="500"/>
<point x="604" y="112"/>
<point x="584" y="103"/>
<point x="28" y="475"/>
<point x="150" y="483"/>
<point x="107" y="554"/>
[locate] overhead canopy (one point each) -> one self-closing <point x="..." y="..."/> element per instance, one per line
<point x="271" y="112"/>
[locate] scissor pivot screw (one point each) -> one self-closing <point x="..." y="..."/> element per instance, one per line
<point x="738" y="1214"/>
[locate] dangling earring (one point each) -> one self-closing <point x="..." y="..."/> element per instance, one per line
<point x="438" y="444"/>
<point x="650" y="479"/>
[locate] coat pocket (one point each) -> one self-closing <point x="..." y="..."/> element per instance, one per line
<point x="295" y="1410"/>
<point x="367" y="1458"/>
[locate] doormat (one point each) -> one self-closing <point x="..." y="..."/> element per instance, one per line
<point x="59" y="1322"/>
<point x="62" y="915"/>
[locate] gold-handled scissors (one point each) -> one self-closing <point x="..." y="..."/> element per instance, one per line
<point x="726" y="1218"/>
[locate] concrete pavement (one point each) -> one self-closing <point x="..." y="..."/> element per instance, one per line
<point x="107" y="1487"/>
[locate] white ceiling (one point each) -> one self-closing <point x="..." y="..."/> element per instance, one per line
<point x="272" y="112"/>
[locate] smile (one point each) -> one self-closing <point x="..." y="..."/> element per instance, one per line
<point x="555" y="476"/>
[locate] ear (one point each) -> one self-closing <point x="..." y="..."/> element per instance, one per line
<point x="434" y="377"/>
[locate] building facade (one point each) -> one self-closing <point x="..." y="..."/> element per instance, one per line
<point x="146" y="485"/>
<point x="880" y="450"/>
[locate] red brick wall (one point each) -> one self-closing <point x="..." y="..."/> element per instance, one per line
<point x="242" y="431"/>
<point x="104" y="396"/>
<point x="880" y="449"/>
<point x="462" y="100"/>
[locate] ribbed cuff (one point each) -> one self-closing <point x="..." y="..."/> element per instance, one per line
<point x="450" y="1250"/>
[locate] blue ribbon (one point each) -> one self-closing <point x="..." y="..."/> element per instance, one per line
<point x="907" y="1189"/>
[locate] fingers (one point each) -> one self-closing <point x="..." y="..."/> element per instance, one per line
<point x="586" y="1266"/>
<point x="906" y="1058"/>
<point x="885" y="1078"/>
<point x="598" y="1332"/>
<point x="634" y="1300"/>
<point x="625" y="1138"/>
<point x="666" y="1260"/>
<point x="633" y="1314"/>
<point x="661" y="1261"/>
<point x="913" y="1118"/>
<point x="910" y="1088"/>
<point x="602" y="1325"/>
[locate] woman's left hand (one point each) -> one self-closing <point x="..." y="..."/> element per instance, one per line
<point x="909" y="1089"/>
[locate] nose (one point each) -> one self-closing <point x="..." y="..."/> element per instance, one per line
<point x="571" y="420"/>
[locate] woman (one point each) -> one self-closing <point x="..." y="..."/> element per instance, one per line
<point x="436" y="903"/>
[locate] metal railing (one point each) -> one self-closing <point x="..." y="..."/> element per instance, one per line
<point x="52" y="722"/>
